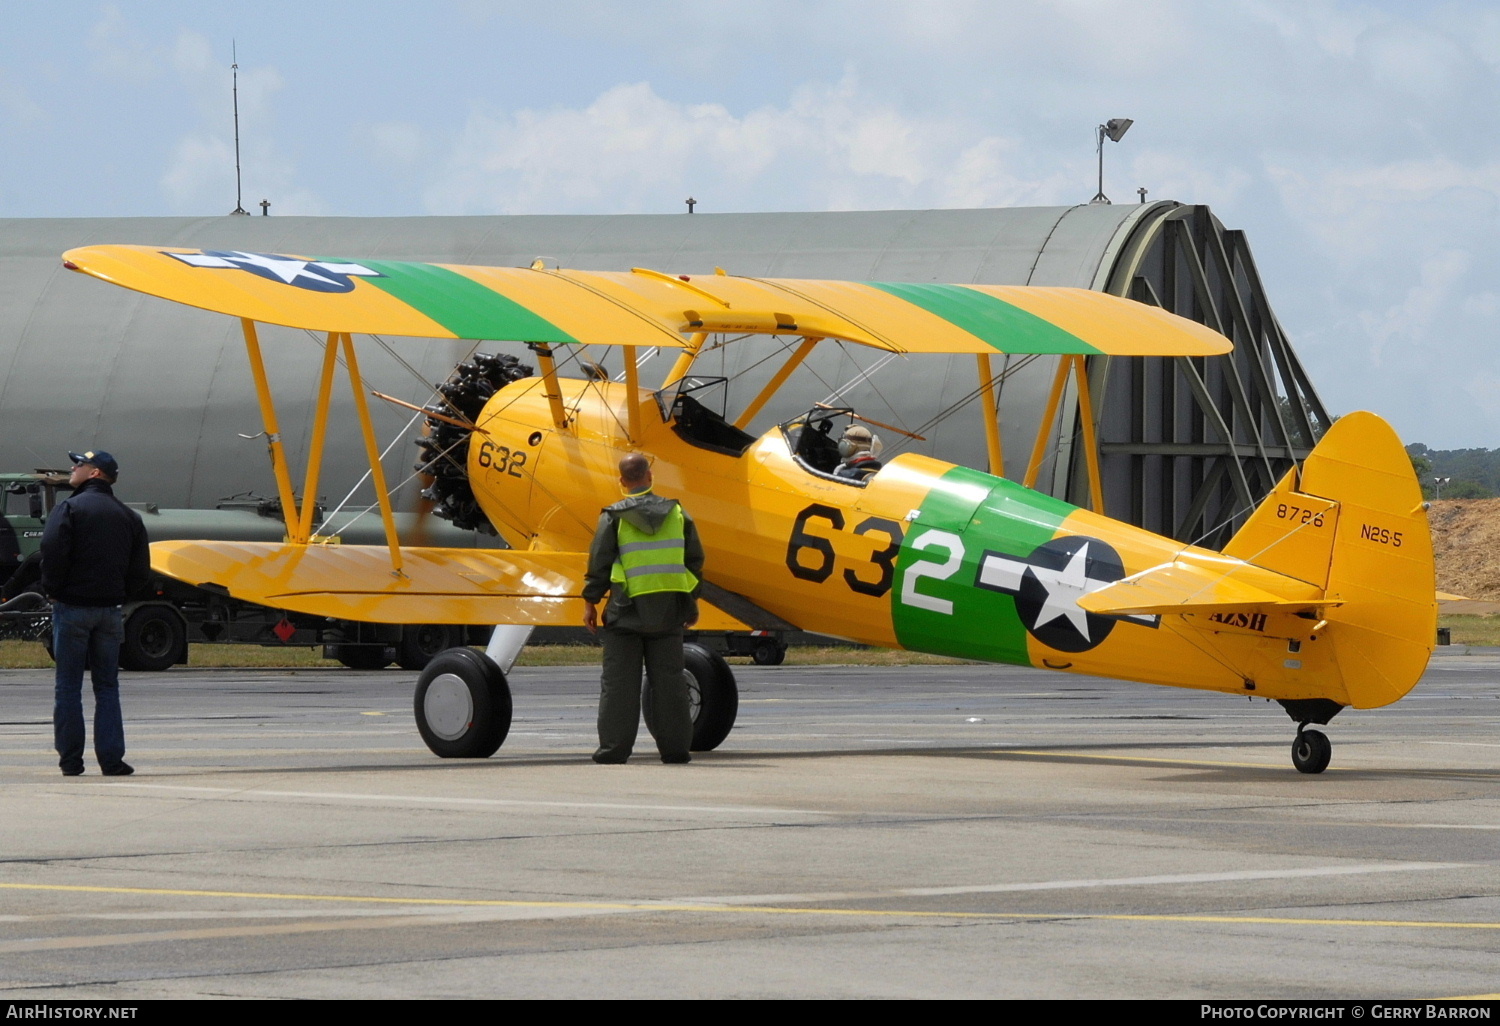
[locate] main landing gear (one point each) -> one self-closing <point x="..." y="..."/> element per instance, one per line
<point x="1311" y="749"/>
<point x="712" y="695"/>
<point x="463" y="705"/>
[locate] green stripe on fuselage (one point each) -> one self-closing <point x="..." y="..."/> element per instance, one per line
<point x="938" y="609"/>
<point x="462" y="305"/>
<point x="1008" y="328"/>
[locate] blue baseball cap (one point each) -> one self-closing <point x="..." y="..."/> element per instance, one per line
<point x="103" y="460"/>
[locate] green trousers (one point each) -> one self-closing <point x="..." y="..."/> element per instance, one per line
<point x="670" y="720"/>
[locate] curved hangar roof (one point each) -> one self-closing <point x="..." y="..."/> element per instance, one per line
<point x="167" y="389"/>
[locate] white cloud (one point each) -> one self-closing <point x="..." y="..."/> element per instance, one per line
<point x="1409" y="323"/>
<point x="123" y="52"/>
<point x="200" y="171"/>
<point x="829" y="146"/>
<point x="396" y="143"/>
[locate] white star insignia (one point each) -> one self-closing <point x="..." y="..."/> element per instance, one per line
<point x="288" y="270"/>
<point x="1064" y="587"/>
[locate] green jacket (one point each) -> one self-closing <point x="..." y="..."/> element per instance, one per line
<point x="654" y="613"/>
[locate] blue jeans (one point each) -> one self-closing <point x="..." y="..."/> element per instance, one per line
<point x="87" y="636"/>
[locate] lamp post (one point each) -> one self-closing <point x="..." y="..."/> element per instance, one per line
<point x="1437" y="486"/>
<point x="1113" y="130"/>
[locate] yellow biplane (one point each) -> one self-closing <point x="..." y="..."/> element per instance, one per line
<point x="1323" y="599"/>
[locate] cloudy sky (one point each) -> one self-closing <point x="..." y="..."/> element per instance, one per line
<point x="1350" y="140"/>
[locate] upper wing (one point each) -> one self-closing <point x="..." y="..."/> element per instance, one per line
<point x="354" y="582"/>
<point x="641" y="307"/>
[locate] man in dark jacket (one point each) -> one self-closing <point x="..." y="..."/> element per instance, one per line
<point x="647" y="556"/>
<point x="94" y="556"/>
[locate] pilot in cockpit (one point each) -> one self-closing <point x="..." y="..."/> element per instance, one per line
<point x="858" y="447"/>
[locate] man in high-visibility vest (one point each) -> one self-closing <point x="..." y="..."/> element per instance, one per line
<point x="647" y="556"/>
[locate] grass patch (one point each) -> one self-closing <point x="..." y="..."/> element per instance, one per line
<point x="1472" y="629"/>
<point x="23" y="655"/>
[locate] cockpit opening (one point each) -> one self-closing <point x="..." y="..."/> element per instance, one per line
<point x="698" y="424"/>
<point x="849" y="458"/>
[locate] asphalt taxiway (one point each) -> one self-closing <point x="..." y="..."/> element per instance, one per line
<point x="948" y="831"/>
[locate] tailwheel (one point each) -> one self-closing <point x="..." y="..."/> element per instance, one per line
<point x="1311" y="751"/>
<point x="462" y="705"/>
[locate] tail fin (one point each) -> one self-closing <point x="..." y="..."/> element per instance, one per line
<point x="1353" y="523"/>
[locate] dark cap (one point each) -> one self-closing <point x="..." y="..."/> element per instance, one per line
<point x="103" y="460"/>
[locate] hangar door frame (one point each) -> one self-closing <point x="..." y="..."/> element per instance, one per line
<point x="1189" y="445"/>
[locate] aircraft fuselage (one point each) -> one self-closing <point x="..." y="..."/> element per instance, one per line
<point x="926" y="555"/>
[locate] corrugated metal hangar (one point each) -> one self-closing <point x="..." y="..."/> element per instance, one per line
<point x="1186" y="445"/>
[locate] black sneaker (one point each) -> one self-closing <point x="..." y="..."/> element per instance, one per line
<point x="124" y="769"/>
<point x="676" y="760"/>
<point x="72" y="771"/>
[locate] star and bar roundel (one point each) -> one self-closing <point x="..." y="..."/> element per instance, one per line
<point x="990" y="568"/>
<point x="313" y="275"/>
<point x="1048" y="584"/>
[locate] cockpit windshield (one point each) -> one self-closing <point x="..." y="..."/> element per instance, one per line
<point x="686" y="406"/>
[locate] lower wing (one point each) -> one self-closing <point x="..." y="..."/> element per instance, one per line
<point x="356" y="582"/>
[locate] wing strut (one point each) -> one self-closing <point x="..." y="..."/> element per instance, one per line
<point x="685" y="360"/>
<point x="372" y="451"/>
<point x="632" y="397"/>
<point x="777" y="380"/>
<point x="269" y="422"/>
<point x="991" y="415"/>
<point x="315" y="444"/>
<point x="1075" y="365"/>
<point x="552" y="389"/>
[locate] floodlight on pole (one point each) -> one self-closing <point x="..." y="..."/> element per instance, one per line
<point x="1113" y="130"/>
<point x="1437" y="486"/>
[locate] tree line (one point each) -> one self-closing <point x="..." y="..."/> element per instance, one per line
<point x="1470" y="473"/>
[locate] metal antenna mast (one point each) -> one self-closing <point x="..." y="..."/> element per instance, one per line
<point x="239" y="206"/>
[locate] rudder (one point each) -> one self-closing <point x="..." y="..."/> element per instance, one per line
<point x="1353" y="522"/>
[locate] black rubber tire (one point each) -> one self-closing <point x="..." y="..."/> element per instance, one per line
<point x="364" y="657"/>
<point x="1311" y="751"/>
<point x="715" y="698"/>
<point x="768" y="653"/>
<point x="154" y="639"/>
<point x="421" y="642"/>
<point x="456" y="673"/>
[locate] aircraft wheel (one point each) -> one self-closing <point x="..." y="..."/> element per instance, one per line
<point x="363" y="657"/>
<point x="463" y="705"/>
<point x="712" y="693"/>
<point x="154" y="639"/>
<point x="713" y="698"/>
<point x="768" y="653"/>
<point x="420" y="642"/>
<point x="1311" y="751"/>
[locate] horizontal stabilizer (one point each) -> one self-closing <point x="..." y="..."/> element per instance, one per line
<point x="1182" y="587"/>
<point x="355" y="582"/>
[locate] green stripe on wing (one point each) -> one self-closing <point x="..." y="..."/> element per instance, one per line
<point x="462" y="305"/>
<point x="1008" y="328"/>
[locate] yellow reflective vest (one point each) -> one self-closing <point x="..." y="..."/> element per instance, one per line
<point x="651" y="563"/>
